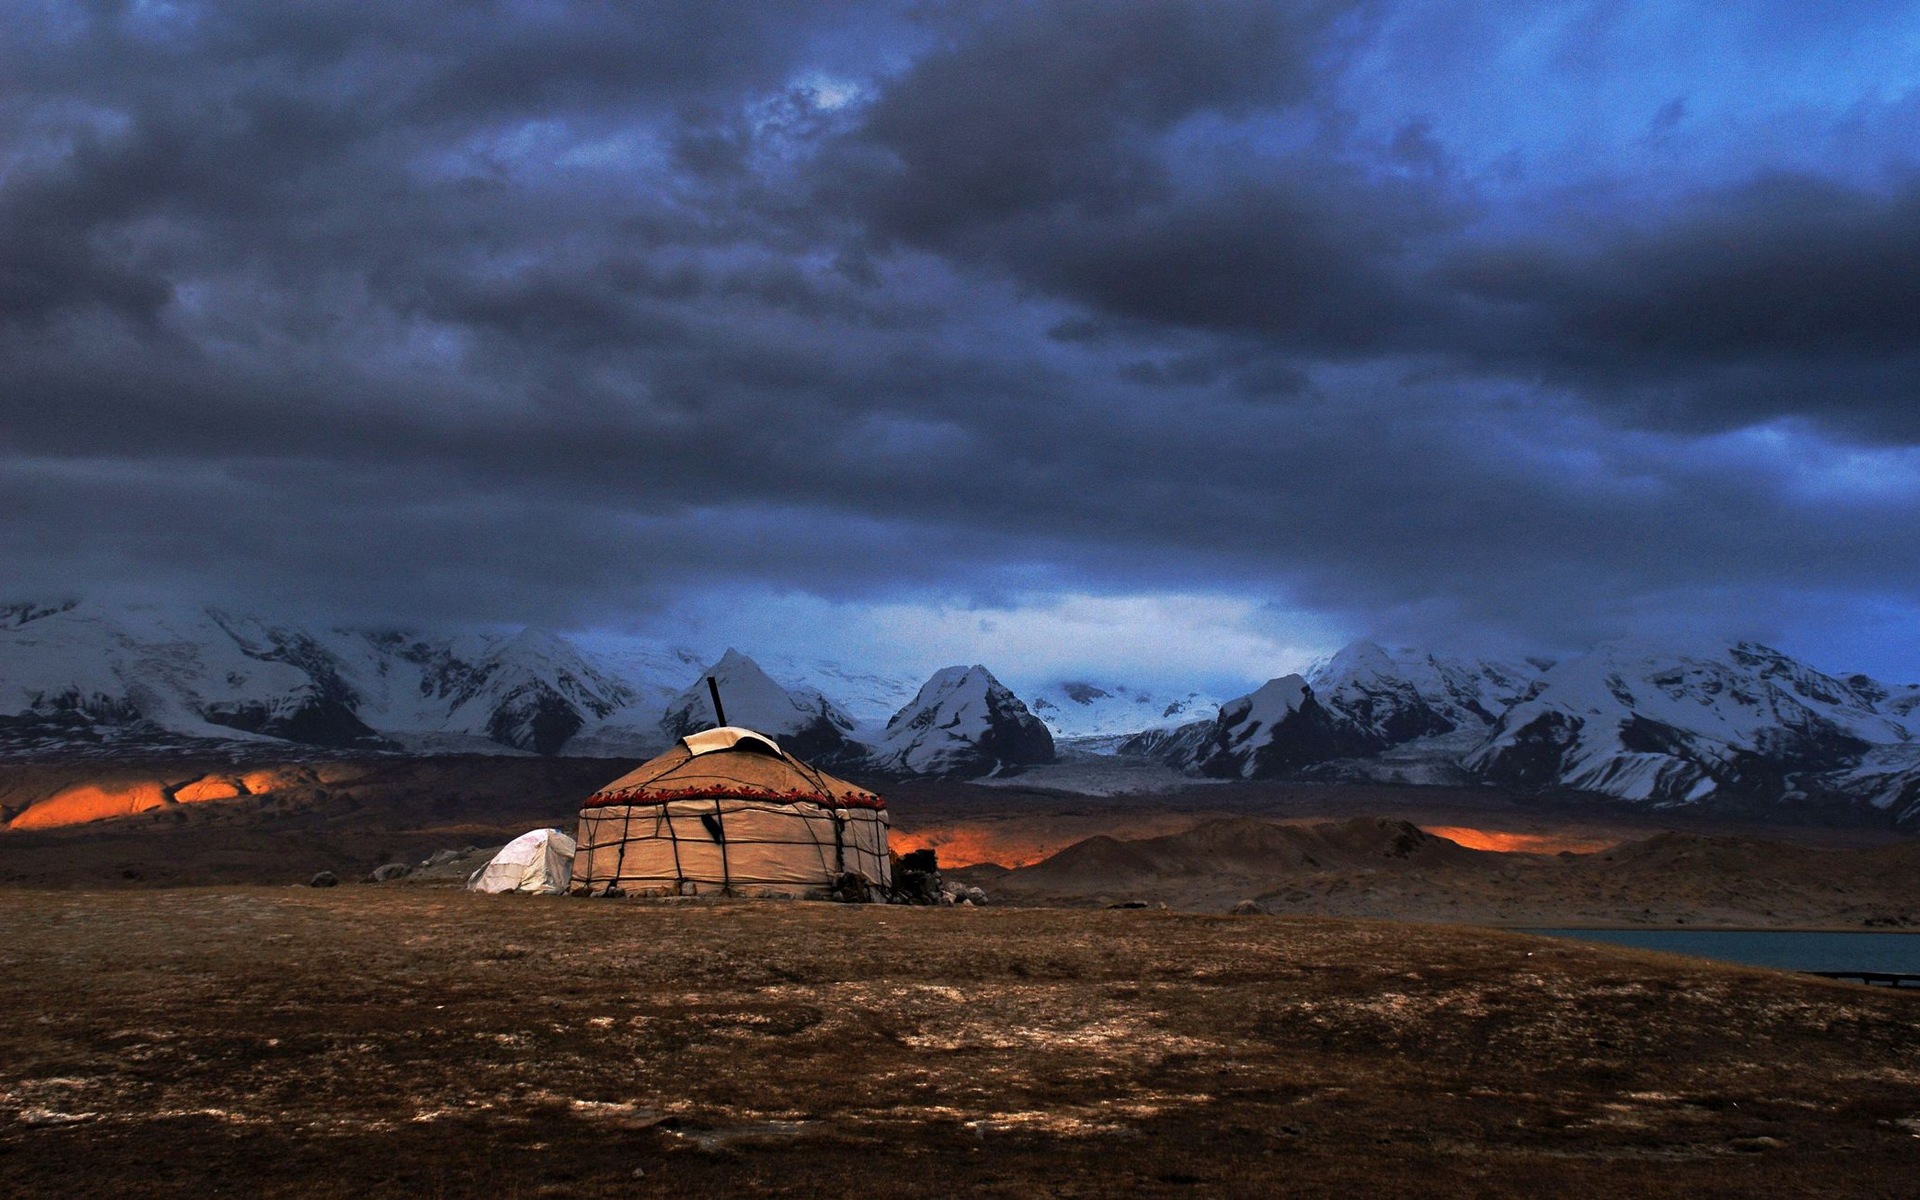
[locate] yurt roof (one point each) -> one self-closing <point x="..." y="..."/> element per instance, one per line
<point x="731" y="763"/>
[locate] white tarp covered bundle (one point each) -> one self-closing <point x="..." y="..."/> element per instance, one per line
<point x="540" y="861"/>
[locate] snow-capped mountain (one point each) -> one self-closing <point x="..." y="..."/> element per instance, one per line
<point x="1385" y="697"/>
<point x="1078" y="709"/>
<point x="1886" y="778"/>
<point x="1733" y="722"/>
<point x="1272" y="731"/>
<point x="531" y="691"/>
<point x="1634" y="721"/>
<point x="1668" y="725"/>
<point x="1349" y="709"/>
<point x="1180" y="747"/>
<point x="75" y="676"/>
<point x="660" y="672"/>
<point x="67" y="671"/>
<point x="869" y="697"/>
<point x="803" y="721"/>
<point x="72" y="673"/>
<point x="962" y="722"/>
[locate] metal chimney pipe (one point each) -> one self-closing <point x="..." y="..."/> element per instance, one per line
<point x="719" y="714"/>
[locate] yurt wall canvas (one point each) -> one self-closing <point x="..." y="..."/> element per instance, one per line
<point x="727" y="811"/>
<point x="729" y="844"/>
<point x="537" y="861"/>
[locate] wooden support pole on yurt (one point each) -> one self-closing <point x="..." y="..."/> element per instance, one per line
<point x="719" y="831"/>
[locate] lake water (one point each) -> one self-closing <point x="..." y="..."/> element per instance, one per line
<point x="1791" y="951"/>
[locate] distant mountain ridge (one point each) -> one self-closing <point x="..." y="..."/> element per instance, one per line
<point x="1386" y="697"/>
<point x="80" y="677"/>
<point x="1643" y="723"/>
<point x="1667" y="725"/>
<point x="1723" y="723"/>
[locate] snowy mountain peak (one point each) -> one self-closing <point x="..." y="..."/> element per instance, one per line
<point x="1274" y="701"/>
<point x="1652" y="722"/>
<point x="1276" y="729"/>
<point x="535" y="645"/>
<point x="731" y="660"/>
<point x="750" y="696"/>
<point x="151" y="676"/>
<point x="802" y="720"/>
<point x="963" y="721"/>
<point x="536" y="692"/>
<point x="1733" y="692"/>
<point x="951" y="696"/>
<point x="1392" y="696"/>
<point x="1354" y="658"/>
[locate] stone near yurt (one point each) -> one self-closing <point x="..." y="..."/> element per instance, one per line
<point x="539" y="861"/>
<point x="728" y="811"/>
<point x="918" y="880"/>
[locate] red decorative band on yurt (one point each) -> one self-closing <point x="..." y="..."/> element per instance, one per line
<point x="732" y="791"/>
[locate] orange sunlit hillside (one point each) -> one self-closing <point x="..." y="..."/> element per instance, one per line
<point x="83" y="803"/>
<point x="968" y="845"/>
<point x="92" y="802"/>
<point x="213" y="787"/>
<point x="1023" y="841"/>
<point x="1519" y="843"/>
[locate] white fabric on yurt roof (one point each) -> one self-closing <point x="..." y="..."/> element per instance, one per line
<point x="730" y="737"/>
<point x="540" y="861"/>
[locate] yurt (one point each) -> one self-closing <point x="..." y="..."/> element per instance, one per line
<point x="727" y="811"/>
<point x="540" y="861"/>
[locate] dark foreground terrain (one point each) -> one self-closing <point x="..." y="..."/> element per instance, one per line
<point x="424" y="1042"/>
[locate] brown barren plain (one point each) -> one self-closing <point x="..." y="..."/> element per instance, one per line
<point x="376" y="1041"/>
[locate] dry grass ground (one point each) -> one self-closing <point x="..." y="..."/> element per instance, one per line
<point x="366" y="1041"/>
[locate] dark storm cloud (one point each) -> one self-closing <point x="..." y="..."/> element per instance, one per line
<point x="1051" y="105"/>
<point x="555" y="311"/>
<point x="1784" y="296"/>
<point x="1046" y="144"/>
<point x="293" y="138"/>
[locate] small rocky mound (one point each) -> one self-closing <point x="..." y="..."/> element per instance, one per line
<point x="1237" y="852"/>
